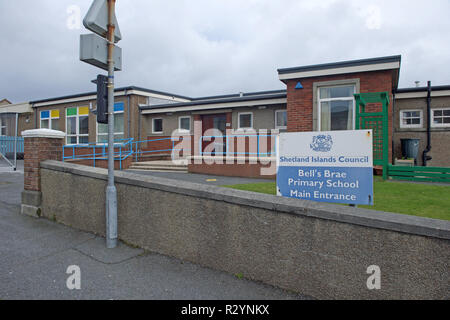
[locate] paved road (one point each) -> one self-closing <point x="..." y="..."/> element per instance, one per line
<point x="201" y="178"/>
<point x="35" y="254"/>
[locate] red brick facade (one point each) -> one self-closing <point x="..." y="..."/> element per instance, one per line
<point x="300" y="101"/>
<point x="37" y="150"/>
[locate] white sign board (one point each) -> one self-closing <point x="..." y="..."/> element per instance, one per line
<point x="332" y="166"/>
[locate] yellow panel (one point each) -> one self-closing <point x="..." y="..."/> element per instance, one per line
<point x="83" y="111"/>
<point x="55" y="113"/>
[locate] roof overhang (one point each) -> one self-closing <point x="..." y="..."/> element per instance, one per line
<point x="346" y="67"/>
<point x="210" y="105"/>
<point x="16" y="108"/>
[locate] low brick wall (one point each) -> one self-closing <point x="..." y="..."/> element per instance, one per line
<point x="265" y="169"/>
<point x="316" y="249"/>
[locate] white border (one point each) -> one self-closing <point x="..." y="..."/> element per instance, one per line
<point x="239" y="121"/>
<point x="277" y="126"/>
<point x="438" y="125"/>
<point x="153" y="126"/>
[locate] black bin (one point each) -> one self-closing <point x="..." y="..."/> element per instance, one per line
<point x="410" y="148"/>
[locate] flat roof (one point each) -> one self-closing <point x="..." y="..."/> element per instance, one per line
<point x="342" y="64"/>
<point x="250" y="96"/>
<point x="421" y="89"/>
<point x="129" y="88"/>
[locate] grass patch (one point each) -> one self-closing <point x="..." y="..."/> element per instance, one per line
<point x="424" y="200"/>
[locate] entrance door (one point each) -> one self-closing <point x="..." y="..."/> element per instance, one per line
<point x="214" y="121"/>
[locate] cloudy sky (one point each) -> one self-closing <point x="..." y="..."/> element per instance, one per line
<point x="207" y="47"/>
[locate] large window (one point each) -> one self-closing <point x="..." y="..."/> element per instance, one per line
<point x="157" y="125"/>
<point x="102" y="129"/>
<point x="336" y="108"/>
<point x="280" y="119"/>
<point x="245" y="120"/>
<point x="411" y="119"/>
<point x="440" y="117"/>
<point x="50" y="119"/>
<point x="77" y="125"/>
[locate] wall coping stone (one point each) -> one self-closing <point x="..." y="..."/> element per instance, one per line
<point x="363" y="217"/>
<point x="43" y="133"/>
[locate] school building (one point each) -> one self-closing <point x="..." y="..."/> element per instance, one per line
<point x="316" y="98"/>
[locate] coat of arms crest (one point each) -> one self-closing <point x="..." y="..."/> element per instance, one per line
<point x="322" y="143"/>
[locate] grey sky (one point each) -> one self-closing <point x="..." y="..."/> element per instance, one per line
<point x="208" y="47"/>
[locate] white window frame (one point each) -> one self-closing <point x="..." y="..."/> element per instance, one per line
<point x="276" y="116"/>
<point x="179" y="124"/>
<point x="77" y="126"/>
<point x="403" y="125"/>
<point x="50" y="118"/>
<point x="153" y="126"/>
<point x="320" y="100"/>
<point x="439" y="125"/>
<point x="239" y="120"/>
<point x="106" y="134"/>
<point x="2" y="127"/>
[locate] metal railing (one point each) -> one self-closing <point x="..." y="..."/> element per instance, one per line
<point x="140" y="150"/>
<point x="124" y="149"/>
<point x="227" y="151"/>
<point x="7" y="144"/>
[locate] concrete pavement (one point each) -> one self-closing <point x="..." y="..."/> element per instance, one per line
<point x="35" y="254"/>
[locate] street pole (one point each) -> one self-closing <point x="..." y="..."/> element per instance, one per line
<point x="111" y="192"/>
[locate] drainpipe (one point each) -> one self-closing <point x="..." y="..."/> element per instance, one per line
<point x="128" y="113"/>
<point x="394" y="112"/>
<point x="425" y="156"/>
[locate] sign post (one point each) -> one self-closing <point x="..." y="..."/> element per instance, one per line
<point x="101" y="19"/>
<point x="334" y="166"/>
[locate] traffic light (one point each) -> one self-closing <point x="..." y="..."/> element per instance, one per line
<point x="102" y="99"/>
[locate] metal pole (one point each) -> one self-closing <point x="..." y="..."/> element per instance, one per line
<point x="111" y="192"/>
<point x="15" y="142"/>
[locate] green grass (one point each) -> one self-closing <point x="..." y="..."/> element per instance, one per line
<point x="424" y="200"/>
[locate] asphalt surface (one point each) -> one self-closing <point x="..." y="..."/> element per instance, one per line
<point x="35" y="255"/>
<point x="201" y="178"/>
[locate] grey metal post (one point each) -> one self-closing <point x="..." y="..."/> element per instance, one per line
<point x="111" y="192"/>
<point x="15" y="142"/>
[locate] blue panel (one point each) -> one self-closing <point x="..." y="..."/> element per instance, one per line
<point x="327" y="184"/>
<point x="45" y="114"/>
<point x="118" y="107"/>
<point x="299" y="85"/>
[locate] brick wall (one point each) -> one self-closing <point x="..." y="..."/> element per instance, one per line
<point x="300" y="102"/>
<point x="37" y="150"/>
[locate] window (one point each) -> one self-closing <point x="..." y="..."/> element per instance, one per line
<point x="102" y="128"/>
<point x="440" y="117"/>
<point x="77" y="125"/>
<point x="280" y="119"/>
<point x="245" y="120"/>
<point x="336" y="108"/>
<point x="184" y="124"/>
<point x="50" y="119"/>
<point x="157" y="126"/>
<point x="411" y="119"/>
<point x="2" y="128"/>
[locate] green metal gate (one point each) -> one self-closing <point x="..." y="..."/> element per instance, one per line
<point x="378" y="122"/>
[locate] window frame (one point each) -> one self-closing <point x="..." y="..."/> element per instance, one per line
<point x="404" y="126"/>
<point x="320" y="100"/>
<point x="2" y="127"/>
<point x="439" y="125"/>
<point x="97" y="134"/>
<point x="50" y="118"/>
<point x="179" y="124"/>
<point x="251" y="120"/>
<point x="77" y="126"/>
<point x="276" y="117"/>
<point x="153" y="126"/>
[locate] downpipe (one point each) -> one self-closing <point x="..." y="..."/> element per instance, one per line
<point x="425" y="156"/>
